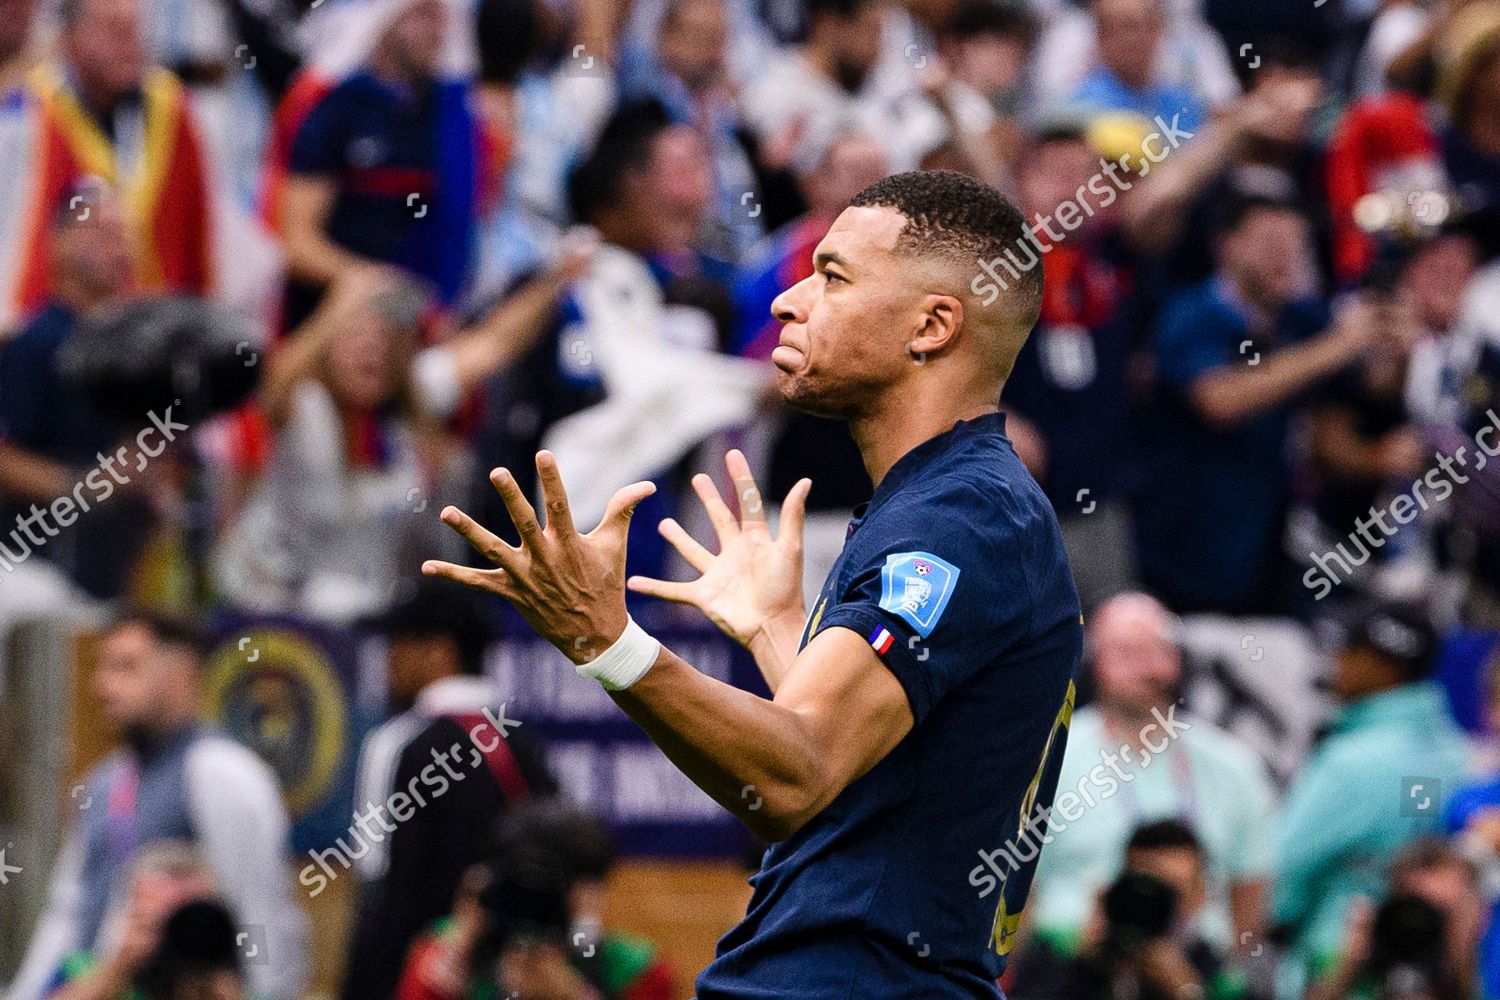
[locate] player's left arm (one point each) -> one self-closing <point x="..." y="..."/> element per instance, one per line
<point x="776" y="764"/>
<point x="773" y="763"/>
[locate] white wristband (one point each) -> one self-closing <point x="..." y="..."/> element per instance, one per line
<point x="626" y="661"/>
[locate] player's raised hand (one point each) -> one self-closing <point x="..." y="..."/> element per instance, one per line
<point x="755" y="578"/>
<point x="569" y="586"/>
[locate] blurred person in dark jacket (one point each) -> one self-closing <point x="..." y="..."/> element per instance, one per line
<point x="52" y="438"/>
<point x="436" y="640"/>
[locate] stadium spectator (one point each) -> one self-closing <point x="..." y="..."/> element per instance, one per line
<point x="986" y="46"/>
<point x="1069" y="396"/>
<point x="164" y="876"/>
<point x="174" y="779"/>
<point x="845" y="76"/>
<point x="1362" y="441"/>
<point x="1141" y="939"/>
<point x="1132" y="57"/>
<point x="356" y="409"/>
<point x="436" y="641"/>
<point x="654" y="314"/>
<point x="381" y="166"/>
<point x="1394" y="29"/>
<point x="19" y="50"/>
<point x="555" y="99"/>
<point x="51" y="436"/>
<point x="1129" y="34"/>
<point x="1232" y="356"/>
<point x="546" y="884"/>
<point x="802" y="445"/>
<point x="1262" y="142"/>
<point x="685" y="70"/>
<point x="1388" y="145"/>
<point x="1175" y="766"/>
<point x="91" y="111"/>
<point x="1466" y="397"/>
<point x="1370" y="788"/>
<point x="1422" y="940"/>
<point x="1435" y="278"/>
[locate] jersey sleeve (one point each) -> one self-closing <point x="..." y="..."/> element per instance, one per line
<point x="937" y="590"/>
<point x="318" y="146"/>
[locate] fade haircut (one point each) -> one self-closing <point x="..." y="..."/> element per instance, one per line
<point x="954" y="218"/>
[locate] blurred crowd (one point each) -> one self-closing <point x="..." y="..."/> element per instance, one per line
<point x="376" y="248"/>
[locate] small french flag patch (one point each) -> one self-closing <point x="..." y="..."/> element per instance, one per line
<point x="881" y="640"/>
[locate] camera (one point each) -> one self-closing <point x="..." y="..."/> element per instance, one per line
<point x="1137" y="908"/>
<point x="197" y="942"/>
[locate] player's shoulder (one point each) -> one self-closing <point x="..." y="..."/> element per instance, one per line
<point x="976" y="514"/>
<point x="980" y="492"/>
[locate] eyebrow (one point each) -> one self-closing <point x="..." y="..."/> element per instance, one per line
<point x="825" y="257"/>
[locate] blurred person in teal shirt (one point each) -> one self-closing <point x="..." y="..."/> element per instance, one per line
<point x="1132" y="758"/>
<point x="1374" y="785"/>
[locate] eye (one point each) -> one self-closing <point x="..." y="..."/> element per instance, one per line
<point x="830" y="277"/>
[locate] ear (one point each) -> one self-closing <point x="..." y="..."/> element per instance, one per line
<point x="939" y="322"/>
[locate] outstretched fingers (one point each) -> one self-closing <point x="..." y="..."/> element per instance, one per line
<point x="494" y="581"/>
<point x="521" y="512"/>
<point x="484" y="542"/>
<point x="794" y="513"/>
<point x="622" y="506"/>
<point x="554" y="496"/>
<point x="686" y="545"/>
<point x="667" y="590"/>
<point x="752" y="507"/>
<point x="725" y="526"/>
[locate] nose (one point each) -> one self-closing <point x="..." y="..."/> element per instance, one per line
<point x="791" y="305"/>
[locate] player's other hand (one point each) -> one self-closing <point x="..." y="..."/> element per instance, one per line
<point x="755" y="579"/>
<point x="569" y="586"/>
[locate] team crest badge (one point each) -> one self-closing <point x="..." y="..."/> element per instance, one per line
<point x="916" y="586"/>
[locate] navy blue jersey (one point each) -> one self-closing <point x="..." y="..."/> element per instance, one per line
<point x="380" y="144"/>
<point x="955" y="574"/>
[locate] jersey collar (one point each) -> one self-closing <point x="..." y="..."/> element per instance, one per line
<point x="913" y="462"/>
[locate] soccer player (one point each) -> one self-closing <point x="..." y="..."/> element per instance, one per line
<point x="919" y="715"/>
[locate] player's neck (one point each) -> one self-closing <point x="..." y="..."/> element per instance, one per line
<point x="895" y="426"/>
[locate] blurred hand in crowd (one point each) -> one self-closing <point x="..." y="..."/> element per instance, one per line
<point x="540" y="970"/>
<point x="1280" y="107"/>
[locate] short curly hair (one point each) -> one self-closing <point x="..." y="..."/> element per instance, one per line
<point x="954" y="217"/>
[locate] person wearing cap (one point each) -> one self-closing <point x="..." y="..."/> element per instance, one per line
<point x="1374" y="784"/>
<point x="436" y="639"/>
